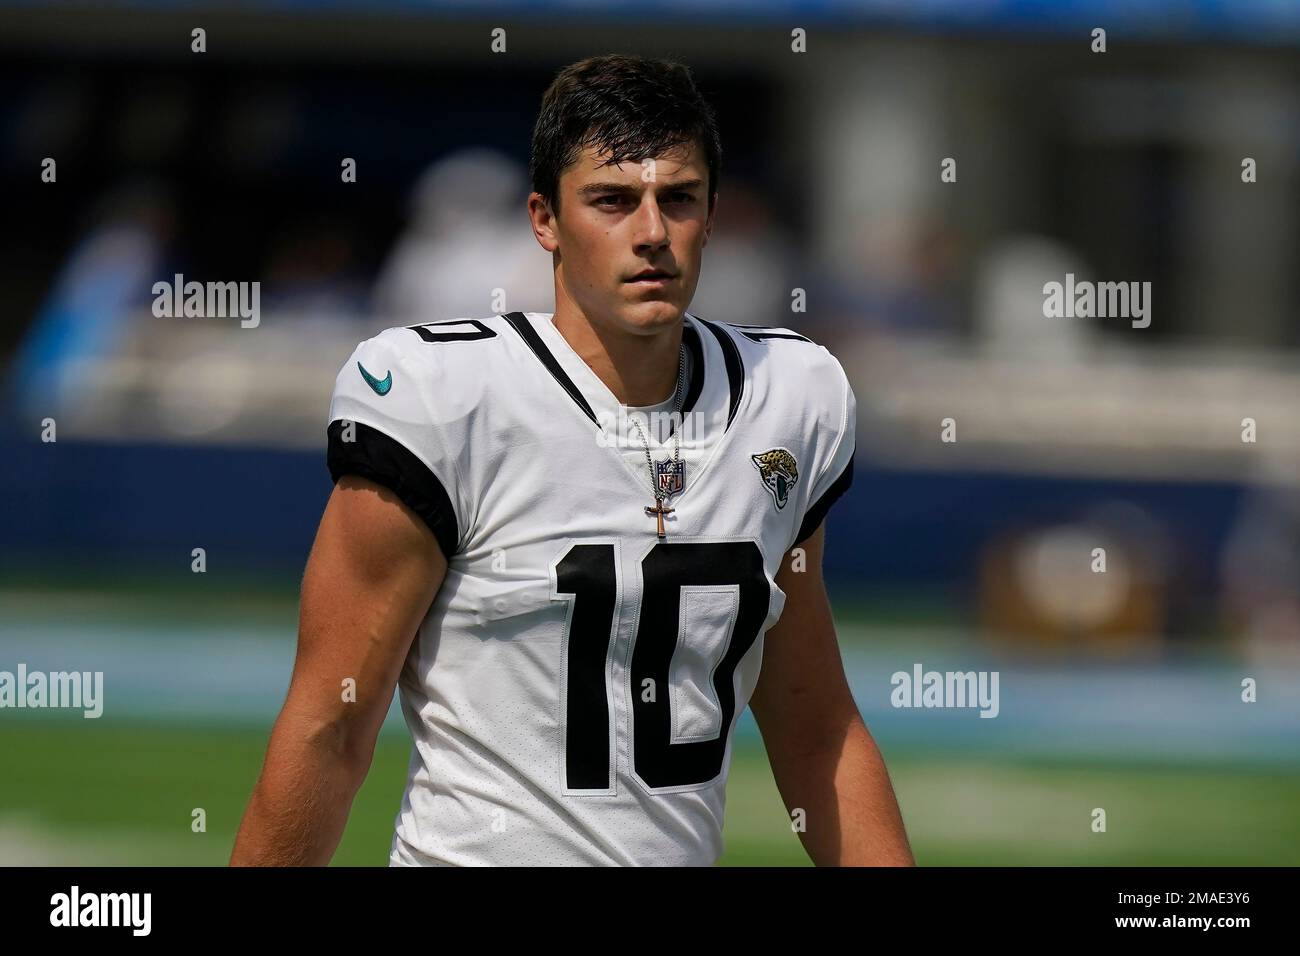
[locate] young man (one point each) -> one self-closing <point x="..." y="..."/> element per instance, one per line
<point x="573" y="596"/>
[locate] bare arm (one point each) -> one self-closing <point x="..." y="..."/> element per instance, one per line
<point x="373" y="571"/>
<point x="823" y="757"/>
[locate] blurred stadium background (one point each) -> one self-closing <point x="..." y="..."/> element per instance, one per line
<point x="1119" y="690"/>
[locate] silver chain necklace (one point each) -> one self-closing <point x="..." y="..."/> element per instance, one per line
<point x="679" y="396"/>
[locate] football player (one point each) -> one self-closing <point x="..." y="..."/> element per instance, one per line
<point x="580" y="543"/>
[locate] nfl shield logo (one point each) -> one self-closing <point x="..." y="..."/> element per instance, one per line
<point x="670" y="476"/>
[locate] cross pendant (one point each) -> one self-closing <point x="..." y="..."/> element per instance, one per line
<point x="659" y="511"/>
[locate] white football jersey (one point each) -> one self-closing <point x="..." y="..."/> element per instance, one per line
<point x="573" y="689"/>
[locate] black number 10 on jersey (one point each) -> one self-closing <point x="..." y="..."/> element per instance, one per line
<point x="589" y="574"/>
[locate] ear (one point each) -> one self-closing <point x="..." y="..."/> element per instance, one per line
<point x="543" y="222"/>
<point x="708" y="223"/>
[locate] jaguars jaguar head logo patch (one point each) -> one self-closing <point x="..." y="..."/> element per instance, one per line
<point x="779" y="473"/>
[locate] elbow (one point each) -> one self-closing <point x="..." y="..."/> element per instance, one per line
<point x="344" y="740"/>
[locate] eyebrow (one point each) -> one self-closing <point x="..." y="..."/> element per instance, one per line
<point x="593" y="188"/>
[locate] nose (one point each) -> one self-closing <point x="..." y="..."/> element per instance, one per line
<point x="650" y="229"/>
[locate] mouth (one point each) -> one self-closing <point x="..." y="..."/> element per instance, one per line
<point x="652" y="277"/>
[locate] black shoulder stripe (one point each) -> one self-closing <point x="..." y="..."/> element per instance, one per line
<point x="519" y="322"/>
<point x="696" y="348"/>
<point x="767" y="332"/>
<point x="387" y="462"/>
<point x="817" y="513"/>
<point x="735" y="367"/>
<point x="761" y="336"/>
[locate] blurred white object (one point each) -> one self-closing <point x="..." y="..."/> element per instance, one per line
<point x="1009" y="299"/>
<point x="468" y="237"/>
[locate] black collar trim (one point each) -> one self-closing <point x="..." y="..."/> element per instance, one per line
<point x="735" y="367"/>
<point x="519" y="322"/>
<point x="696" y="384"/>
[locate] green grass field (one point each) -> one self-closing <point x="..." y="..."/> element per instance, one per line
<point x="121" y="789"/>
<point x="97" y="794"/>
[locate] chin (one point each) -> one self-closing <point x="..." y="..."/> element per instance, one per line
<point x="651" y="314"/>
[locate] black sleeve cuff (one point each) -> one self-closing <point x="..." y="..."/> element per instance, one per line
<point x="817" y="513"/>
<point x="387" y="462"/>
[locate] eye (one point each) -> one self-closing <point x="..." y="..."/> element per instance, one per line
<point x="615" y="197"/>
<point x="683" y="197"/>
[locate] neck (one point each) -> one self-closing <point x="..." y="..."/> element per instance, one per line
<point x="637" y="369"/>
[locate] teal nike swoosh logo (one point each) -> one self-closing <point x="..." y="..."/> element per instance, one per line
<point x="381" y="386"/>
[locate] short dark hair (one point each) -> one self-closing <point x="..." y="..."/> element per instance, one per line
<point x="631" y="107"/>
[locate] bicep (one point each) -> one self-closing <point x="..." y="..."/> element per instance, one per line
<point x="802" y="700"/>
<point x="373" y="571"/>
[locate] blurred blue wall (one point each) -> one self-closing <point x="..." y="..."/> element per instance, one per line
<point x="111" y="506"/>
